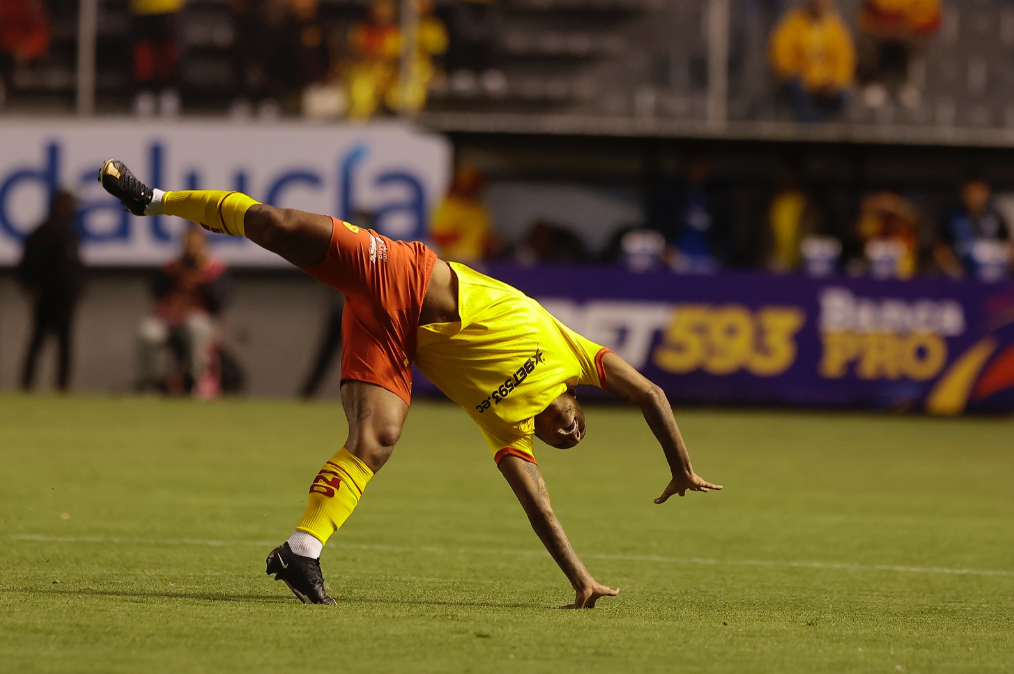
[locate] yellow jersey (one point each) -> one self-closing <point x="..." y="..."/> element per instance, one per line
<point x="505" y="361"/>
<point x="818" y="52"/>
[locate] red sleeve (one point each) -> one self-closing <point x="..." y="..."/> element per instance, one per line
<point x="601" y="368"/>
<point x="513" y="452"/>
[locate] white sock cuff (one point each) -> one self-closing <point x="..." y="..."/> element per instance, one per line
<point x="155" y="206"/>
<point x="305" y="545"/>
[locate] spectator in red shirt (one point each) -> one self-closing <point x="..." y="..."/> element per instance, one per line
<point x="24" y="37"/>
<point x="892" y="38"/>
<point x="189" y="293"/>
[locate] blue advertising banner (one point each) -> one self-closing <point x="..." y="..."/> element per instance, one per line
<point x="935" y="345"/>
<point x="390" y="169"/>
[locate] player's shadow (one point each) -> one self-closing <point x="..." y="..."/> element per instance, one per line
<point x="199" y="596"/>
<point x="266" y="599"/>
<point x="434" y="602"/>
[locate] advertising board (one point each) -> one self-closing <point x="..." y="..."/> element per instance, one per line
<point x="928" y="344"/>
<point x="396" y="173"/>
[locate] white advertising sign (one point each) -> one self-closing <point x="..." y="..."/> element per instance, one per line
<point x="388" y="169"/>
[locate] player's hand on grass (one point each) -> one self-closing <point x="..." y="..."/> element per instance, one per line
<point x="587" y="596"/>
<point x="683" y="483"/>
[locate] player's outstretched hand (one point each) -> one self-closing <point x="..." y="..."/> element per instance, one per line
<point x="681" y="484"/>
<point x="587" y="596"/>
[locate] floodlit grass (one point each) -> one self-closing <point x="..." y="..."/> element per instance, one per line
<point x="134" y="534"/>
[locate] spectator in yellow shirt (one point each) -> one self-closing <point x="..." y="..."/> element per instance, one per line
<point x="461" y="226"/>
<point x="812" y="53"/>
<point x="375" y="47"/>
<point x="430" y="44"/>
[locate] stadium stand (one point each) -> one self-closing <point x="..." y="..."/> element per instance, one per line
<point x="605" y="59"/>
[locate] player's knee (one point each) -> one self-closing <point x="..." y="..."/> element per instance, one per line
<point x="387" y="434"/>
<point x="374" y="442"/>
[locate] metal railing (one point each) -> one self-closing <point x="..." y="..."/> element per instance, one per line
<point x="715" y="122"/>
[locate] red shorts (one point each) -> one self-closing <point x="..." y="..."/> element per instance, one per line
<point x="384" y="283"/>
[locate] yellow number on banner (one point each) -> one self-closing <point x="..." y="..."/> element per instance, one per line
<point x="776" y="350"/>
<point x="683" y="349"/>
<point x="726" y="339"/>
<point x="731" y="337"/>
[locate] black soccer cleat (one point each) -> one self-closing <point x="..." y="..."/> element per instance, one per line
<point x="117" y="179"/>
<point x="301" y="574"/>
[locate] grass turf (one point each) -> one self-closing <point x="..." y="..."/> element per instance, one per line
<point x="134" y="533"/>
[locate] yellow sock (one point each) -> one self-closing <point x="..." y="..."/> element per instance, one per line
<point x="334" y="494"/>
<point x="215" y="209"/>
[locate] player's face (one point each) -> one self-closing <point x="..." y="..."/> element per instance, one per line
<point x="975" y="194"/>
<point x="561" y="425"/>
<point x="194" y="244"/>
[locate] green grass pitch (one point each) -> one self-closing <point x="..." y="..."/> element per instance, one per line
<point x="134" y="534"/>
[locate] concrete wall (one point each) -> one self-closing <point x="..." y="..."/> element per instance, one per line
<point x="274" y="321"/>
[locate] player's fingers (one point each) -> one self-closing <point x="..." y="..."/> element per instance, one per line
<point x="611" y="592"/>
<point x="664" y="497"/>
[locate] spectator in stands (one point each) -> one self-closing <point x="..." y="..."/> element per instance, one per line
<point x="812" y="54"/>
<point x="792" y="217"/>
<point x="24" y="37"/>
<point x="888" y="229"/>
<point x="687" y="216"/>
<point x="461" y="227"/>
<point x="51" y="274"/>
<point x="189" y="292"/>
<point x="156" y="56"/>
<point x="376" y="48"/>
<point x="430" y="45"/>
<point x="970" y="229"/>
<point x="892" y="34"/>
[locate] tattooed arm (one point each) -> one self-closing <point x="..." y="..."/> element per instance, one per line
<point x="526" y="481"/>
<point x="631" y="385"/>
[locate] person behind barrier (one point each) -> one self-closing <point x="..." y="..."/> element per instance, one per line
<point x="51" y="273"/>
<point x="973" y="231"/>
<point x="189" y="292"/>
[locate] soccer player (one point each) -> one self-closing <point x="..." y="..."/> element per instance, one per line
<point x="489" y="347"/>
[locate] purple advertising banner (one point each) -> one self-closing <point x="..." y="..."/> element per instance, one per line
<point x="935" y="345"/>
